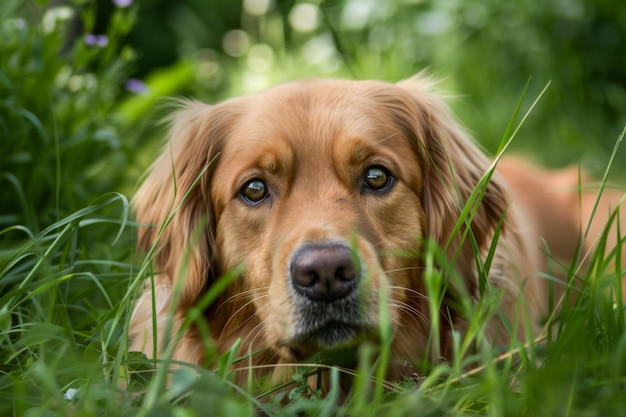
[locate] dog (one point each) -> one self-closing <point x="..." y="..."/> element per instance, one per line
<point x="321" y="198"/>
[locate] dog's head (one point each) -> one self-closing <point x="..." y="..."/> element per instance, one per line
<point x="321" y="192"/>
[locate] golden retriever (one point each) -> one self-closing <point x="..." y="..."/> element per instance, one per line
<point x="321" y="196"/>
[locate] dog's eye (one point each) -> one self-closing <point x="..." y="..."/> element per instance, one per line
<point x="377" y="178"/>
<point x="254" y="191"/>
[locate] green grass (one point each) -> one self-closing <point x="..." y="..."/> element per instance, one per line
<point x="73" y="144"/>
<point x="65" y="315"/>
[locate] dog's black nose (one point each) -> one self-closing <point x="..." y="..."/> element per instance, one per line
<point x="325" y="272"/>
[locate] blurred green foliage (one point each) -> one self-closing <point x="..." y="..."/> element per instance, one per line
<point x="82" y="134"/>
<point x="62" y="143"/>
<point x="484" y="50"/>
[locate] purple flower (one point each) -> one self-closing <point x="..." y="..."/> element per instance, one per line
<point x="122" y="3"/>
<point x="136" y="86"/>
<point x="96" y="40"/>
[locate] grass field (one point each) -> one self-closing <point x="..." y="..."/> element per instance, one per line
<point x="73" y="143"/>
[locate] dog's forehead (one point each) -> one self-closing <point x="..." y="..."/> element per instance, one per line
<point x="317" y="119"/>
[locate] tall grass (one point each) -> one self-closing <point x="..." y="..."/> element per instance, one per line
<point x="68" y="273"/>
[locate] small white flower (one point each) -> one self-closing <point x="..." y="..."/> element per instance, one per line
<point x="52" y="17"/>
<point x="70" y="394"/>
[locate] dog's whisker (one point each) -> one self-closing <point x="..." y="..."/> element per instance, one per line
<point x="242" y="308"/>
<point x="410" y="309"/>
<point x="255" y="333"/>
<point x="400" y="290"/>
<point x="417" y="316"/>
<point x="252" y="333"/>
<point x="406" y="268"/>
<point x="244" y="294"/>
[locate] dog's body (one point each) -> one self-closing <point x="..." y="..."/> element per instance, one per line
<point x="323" y="195"/>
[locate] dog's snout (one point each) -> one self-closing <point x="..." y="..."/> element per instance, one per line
<point x="324" y="273"/>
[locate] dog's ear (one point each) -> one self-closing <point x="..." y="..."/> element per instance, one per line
<point x="173" y="204"/>
<point x="452" y="166"/>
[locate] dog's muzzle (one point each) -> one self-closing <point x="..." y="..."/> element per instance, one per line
<point x="325" y="279"/>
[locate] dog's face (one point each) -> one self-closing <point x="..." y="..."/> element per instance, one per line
<point x="321" y="192"/>
<point x="318" y="195"/>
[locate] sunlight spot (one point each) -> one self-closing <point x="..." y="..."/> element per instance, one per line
<point x="304" y="17"/>
<point x="261" y="58"/>
<point x="320" y="51"/>
<point x="356" y="14"/>
<point x="253" y="81"/>
<point x="236" y="42"/>
<point x="81" y="82"/>
<point x="257" y="7"/>
<point x="208" y="63"/>
<point x="433" y="23"/>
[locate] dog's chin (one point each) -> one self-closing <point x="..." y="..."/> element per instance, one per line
<point x="336" y="334"/>
<point x="332" y="336"/>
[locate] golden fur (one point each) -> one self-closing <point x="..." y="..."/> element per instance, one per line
<point x="311" y="146"/>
